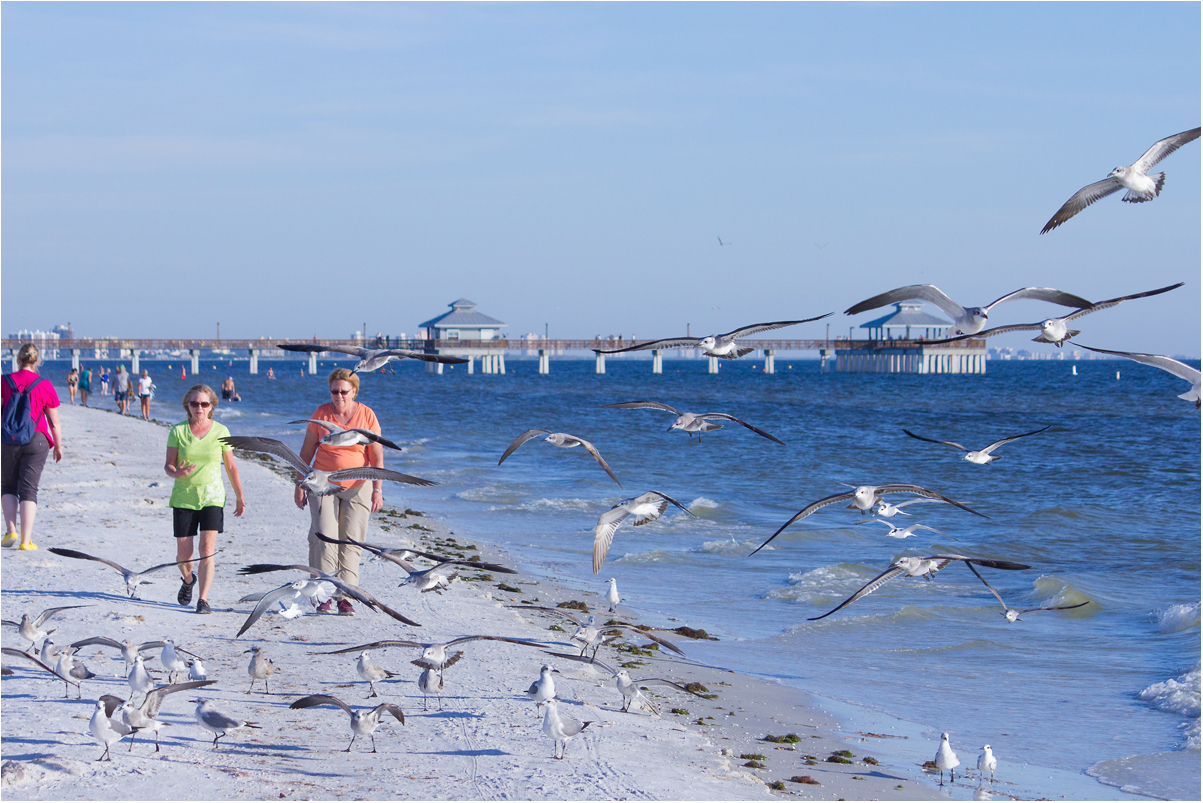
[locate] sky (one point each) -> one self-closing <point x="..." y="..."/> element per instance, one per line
<point x="300" y="170"/>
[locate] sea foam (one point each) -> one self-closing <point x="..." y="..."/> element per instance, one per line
<point x="1177" y="618"/>
<point x="1180" y="696"/>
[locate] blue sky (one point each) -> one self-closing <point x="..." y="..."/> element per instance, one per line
<point x="293" y="170"/>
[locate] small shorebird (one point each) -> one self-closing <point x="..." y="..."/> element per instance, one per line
<point x="340" y="436"/>
<point x="371" y="359"/>
<point x="1056" y="330"/>
<point x="132" y="579"/>
<point x="986" y="762"/>
<point x="30" y="628"/>
<point x="363" y="723"/>
<point x="1134" y="178"/>
<point x="980" y="457"/>
<point x="259" y="668"/>
<point x="315" y="481"/>
<point x="946" y="759"/>
<point x="863" y="498"/>
<point x="612" y="595"/>
<point x="560" y="439"/>
<point x="209" y="718"/>
<point x="1174" y="367"/>
<point x="965" y="320"/>
<point x="628" y="688"/>
<point x="722" y="346"/>
<point x="693" y="422"/>
<point x="560" y="729"/>
<point x="910" y="566"/>
<point x="643" y="509"/>
<point x="196" y="670"/>
<point x="544" y="688"/>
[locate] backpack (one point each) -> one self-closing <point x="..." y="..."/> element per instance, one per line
<point x="19" y="425"/>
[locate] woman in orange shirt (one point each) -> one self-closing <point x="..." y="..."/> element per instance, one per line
<point x="344" y="514"/>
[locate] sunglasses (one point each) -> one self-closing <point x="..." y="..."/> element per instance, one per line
<point x="334" y="392"/>
<point x="199" y="404"/>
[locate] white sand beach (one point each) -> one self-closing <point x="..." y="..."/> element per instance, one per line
<point x="109" y="497"/>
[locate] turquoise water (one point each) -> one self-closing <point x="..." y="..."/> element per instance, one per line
<point x="1105" y="506"/>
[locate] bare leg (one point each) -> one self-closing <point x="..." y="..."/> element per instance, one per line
<point x="10" y="512"/>
<point x="29" y="511"/>
<point x="183" y="551"/>
<point x="208" y="545"/>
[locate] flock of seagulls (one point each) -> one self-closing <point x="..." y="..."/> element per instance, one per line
<point x="115" y="718"/>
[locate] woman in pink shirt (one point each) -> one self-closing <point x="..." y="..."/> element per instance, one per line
<point x="23" y="462"/>
<point x="342" y="515"/>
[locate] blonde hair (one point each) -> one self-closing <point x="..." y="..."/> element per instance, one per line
<point x="201" y="389"/>
<point x="28" y="355"/>
<point x="344" y="374"/>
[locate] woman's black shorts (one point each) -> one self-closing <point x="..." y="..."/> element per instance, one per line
<point x="189" y="522"/>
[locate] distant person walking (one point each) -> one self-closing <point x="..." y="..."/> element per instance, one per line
<point x="104" y="381"/>
<point x="345" y="512"/>
<point x="31" y="431"/>
<point x="121" y="391"/>
<point x="195" y="455"/>
<point x="72" y="383"/>
<point x="85" y="385"/>
<point x="145" y="391"/>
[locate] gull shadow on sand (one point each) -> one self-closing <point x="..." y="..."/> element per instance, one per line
<point x="97" y="596"/>
<point x="492" y="752"/>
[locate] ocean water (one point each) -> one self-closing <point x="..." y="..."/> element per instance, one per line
<point x="1105" y="506"/>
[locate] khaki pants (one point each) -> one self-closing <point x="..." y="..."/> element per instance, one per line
<point x="342" y="515"/>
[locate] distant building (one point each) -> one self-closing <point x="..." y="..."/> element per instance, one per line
<point x="463" y="323"/>
<point x="905" y="322"/>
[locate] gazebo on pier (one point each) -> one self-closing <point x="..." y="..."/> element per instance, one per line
<point x="455" y="332"/>
<point x="896" y="345"/>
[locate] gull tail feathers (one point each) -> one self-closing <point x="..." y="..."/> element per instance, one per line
<point x="1134" y="197"/>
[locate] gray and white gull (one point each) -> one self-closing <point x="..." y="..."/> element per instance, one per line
<point x="1180" y="370"/>
<point x="980" y="457"/>
<point x="693" y="422"/>
<point x="642" y="509"/>
<point x="965" y="320"/>
<point x="371" y="359"/>
<point x="132" y="579"/>
<point x="723" y="346"/>
<point x="315" y="481"/>
<point x="561" y="439"/>
<point x="363" y="723"/>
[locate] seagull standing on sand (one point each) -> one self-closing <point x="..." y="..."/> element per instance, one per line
<point x="371" y="359"/>
<point x="561" y="439"/>
<point x="1174" y="367"/>
<point x="171" y="660"/>
<point x="986" y="762"/>
<point x="863" y="498"/>
<point x="209" y="718"/>
<point x="315" y="481"/>
<point x="544" y="688"/>
<point x="1134" y="178"/>
<point x="67" y="667"/>
<point x="30" y="628"/>
<point x="140" y="681"/>
<point x="910" y="566"/>
<point x="980" y="457"/>
<point x="1056" y="330"/>
<point x="370" y="672"/>
<point x="15" y="653"/>
<point x="946" y="759"/>
<point x="102" y="728"/>
<point x="693" y="422"/>
<point x="363" y="723"/>
<point x="643" y="508"/>
<point x="196" y="670"/>
<point x="430" y="682"/>
<point x="965" y="320"/>
<point x="722" y="346"/>
<point x="612" y="596"/>
<point x="559" y="728"/>
<point x="140" y="718"/>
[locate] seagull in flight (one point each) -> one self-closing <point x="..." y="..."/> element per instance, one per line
<point x="560" y="439"/>
<point x="721" y="346"/>
<point x="980" y="457"/>
<point x="435" y="578"/>
<point x="363" y="723"/>
<point x="643" y="508"/>
<point x="592" y="634"/>
<point x="863" y="498"/>
<point x="889" y="511"/>
<point x="1012" y="614"/>
<point x="132" y="579"/>
<point x="1174" y="367"/>
<point x="340" y="436"/>
<point x="316" y="482"/>
<point x="371" y="359"/>
<point x="904" y="532"/>
<point x="692" y="422"/>
<point x="920" y="567"/>
<point x="1134" y="178"/>
<point x="348" y="589"/>
<point x="434" y="654"/>
<point x="31" y="627"/>
<point x="144" y="716"/>
<point x="628" y="688"/>
<point x="965" y="320"/>
<point x="1056" y="330"/>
